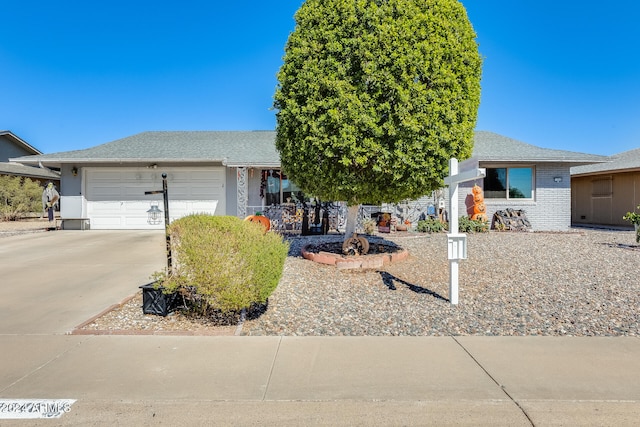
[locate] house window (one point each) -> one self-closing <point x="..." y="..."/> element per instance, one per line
<point x="277" y="188"/>
<point x="509" y="183"/>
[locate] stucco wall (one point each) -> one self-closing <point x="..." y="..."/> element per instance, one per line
<point x="605" y="209"/>
<point x="72" y="201"/>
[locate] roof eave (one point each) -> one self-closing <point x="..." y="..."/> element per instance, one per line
<point x="262" y="165"/>
<point x="69" y="160"/>
<point x="575" y="162"/>
<point x="20" y="141"/>
<point x="605" y="172"/>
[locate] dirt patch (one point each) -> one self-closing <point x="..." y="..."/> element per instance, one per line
<point x="23" y="226"/>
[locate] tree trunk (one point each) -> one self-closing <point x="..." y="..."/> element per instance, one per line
<point x="352" y="220"/>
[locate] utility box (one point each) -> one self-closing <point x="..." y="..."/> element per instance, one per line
<point x="457" y="244"/>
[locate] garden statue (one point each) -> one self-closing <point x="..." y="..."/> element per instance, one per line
<point x="50" y="199"/>
<point x="479" y="208"/>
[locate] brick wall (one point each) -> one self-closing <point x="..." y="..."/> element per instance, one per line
<point x="550" y="210"/>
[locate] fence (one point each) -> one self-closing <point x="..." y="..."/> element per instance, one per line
<point x="287" y="218"/>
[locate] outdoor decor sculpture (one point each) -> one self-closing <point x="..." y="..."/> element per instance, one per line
<point x="50" y="198"/>
<point x="479" y="208"/>
<point x="260" y="219"/>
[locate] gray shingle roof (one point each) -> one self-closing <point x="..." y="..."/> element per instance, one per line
<point x="628" y="160"/>
<point x="257" y="148"/>
<point x="489" y="146"/>
<point x="232" y="148"/>
<point x="28" y="171"/>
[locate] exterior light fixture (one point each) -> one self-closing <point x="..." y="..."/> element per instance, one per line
<point x="154" y="215"/>
<point x="557" y="179"/>
<point x="74" y="171"/>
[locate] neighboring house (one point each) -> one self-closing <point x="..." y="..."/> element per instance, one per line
<point x="12" y="146"/>
<point x="602" y="193"/>
<point x="238" y="173"/>
<point x="523" y="176"/>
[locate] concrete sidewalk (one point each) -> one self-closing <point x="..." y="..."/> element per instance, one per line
<point x="51" y="282"/>
<point x="296" y="381"/>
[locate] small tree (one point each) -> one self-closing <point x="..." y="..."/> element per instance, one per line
<point x="375" y="97"/>
<point x="18" y="197"/>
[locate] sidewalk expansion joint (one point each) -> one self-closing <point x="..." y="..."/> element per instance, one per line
<point x="54" y="358"/>
<point x="502" y="387"/>
<point x="273" y="364"/>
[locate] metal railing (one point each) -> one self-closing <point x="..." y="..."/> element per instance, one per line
<point x="287" y="217"/>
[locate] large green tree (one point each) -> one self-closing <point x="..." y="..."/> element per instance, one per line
<point x="375" y="96"/>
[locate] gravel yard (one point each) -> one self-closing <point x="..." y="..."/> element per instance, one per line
<point x="580" y="283"/>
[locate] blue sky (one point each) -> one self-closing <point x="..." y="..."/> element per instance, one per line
<point x="75" y="74"/>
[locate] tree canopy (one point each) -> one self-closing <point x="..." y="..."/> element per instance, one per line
<point x="375" y="96"/>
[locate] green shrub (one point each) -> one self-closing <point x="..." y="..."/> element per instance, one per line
<point x="431" y="225"/>
<point x="468" y="225"/>
<point x="223" y="263"/>
<point x="18" y="197"/>
<point x="368" y="226"/>
<point x="634" y="219"/>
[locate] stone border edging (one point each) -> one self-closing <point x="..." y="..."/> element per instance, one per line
<point x="78" y="329"/>
<point x="342" y="262"/>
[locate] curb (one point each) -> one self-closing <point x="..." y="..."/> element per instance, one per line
<point x="76" y="330"/>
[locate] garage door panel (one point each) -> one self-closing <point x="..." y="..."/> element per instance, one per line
<point x="180" y="208"/>
<point x="135" y="191"/>
<point x="105" y="192"/>
<point x="100" y="207"/>
<point x="106" y="223"/>
<point x="102" y="175"/>
<point x="179" y="191"/>
<point x="199" y="192"/>
<point x="116" y="199"/>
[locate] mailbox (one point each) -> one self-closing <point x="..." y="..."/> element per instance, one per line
<point x="457" y="244"/>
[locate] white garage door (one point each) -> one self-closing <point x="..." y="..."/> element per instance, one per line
<point x="116" y="199"/>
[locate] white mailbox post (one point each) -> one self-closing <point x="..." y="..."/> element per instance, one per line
<point x="457" y="242"/>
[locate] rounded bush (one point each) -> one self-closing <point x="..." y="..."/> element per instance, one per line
<point x="223" y="263"/>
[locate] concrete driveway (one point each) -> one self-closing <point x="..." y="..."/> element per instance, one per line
<point x="51" y="282"/>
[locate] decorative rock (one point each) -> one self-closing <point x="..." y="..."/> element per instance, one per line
<point x="574" y="283"/>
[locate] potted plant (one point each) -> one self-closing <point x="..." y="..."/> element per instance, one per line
<point x="156" y="301"/>
<point x="634" y="218"/>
